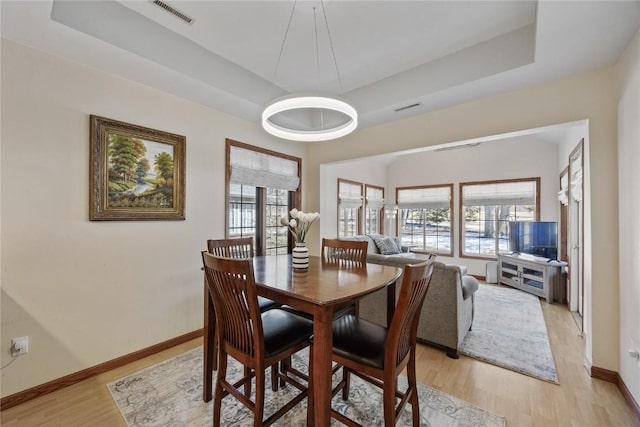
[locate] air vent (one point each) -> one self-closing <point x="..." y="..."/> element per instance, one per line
<point x="173" y="11"/>
<point x="455" y="147"/>
<point x="406" y="107"/>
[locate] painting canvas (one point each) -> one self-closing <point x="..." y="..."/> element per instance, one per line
<point x="137" y="173"/>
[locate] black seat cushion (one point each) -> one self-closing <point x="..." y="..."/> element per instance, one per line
<point x="359" y="340"/>
<point x="283" y="330"/>
<point x="267" y="304"/>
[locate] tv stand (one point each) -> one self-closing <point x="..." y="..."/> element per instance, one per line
<point x="539" y="276"/>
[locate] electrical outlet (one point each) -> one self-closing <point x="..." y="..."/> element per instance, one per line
<point x="19" y="346"/>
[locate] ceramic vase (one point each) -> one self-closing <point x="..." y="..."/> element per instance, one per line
<point x="300" y="256"/>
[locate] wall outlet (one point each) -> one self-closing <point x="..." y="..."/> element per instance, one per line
<point x="19" y="346"/>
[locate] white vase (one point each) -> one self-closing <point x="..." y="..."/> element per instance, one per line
<point x="300" y="256"/>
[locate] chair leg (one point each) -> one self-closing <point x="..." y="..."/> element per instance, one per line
<point x="452" y="353"/>
<point x="413" y="389"/>
<point x="247" y="385"/>
<point x="389" y="403"/>
<point x="274" y="377"/>
<point x="346" y="378"/>
<point x="217" y="401"/>
<point x="310" y="400"/>
<point x="259" y="402"/>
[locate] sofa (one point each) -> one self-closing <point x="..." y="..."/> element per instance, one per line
<point x="447" y="313"/>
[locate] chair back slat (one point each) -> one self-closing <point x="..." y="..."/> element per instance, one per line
<point x="404" y="325"/>
<point x="344" y="251"/>
<point x="231" y="248"/>
<point x="232" y="285"/>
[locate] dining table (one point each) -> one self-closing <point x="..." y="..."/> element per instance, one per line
<point x="319" y="290"/>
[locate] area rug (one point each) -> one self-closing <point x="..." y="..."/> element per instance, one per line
<point x="509" y="331"/>
<point x="169" y="394"/>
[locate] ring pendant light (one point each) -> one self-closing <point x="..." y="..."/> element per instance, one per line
<point x="301" y="102"/>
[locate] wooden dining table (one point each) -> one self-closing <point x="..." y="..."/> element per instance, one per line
<point x="319" y="290"/>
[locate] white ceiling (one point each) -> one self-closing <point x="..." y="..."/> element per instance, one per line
<point x="389" y="54"/>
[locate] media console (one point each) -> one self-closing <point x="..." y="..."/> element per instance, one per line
<point x="539" y="276"/>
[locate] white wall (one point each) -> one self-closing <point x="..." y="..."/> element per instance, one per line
<point x="584" y="97"/>
<point x="629" y="195"/>
<point x="518" y="157"/>
<point x="521" y="157"/>
<point x="367" y="171"/>
<point x="88" y="292"/>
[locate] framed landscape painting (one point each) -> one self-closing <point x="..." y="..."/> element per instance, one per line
<point x="136" y="173"/>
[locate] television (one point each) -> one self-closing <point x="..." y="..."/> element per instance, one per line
<point x="535" y="238"/>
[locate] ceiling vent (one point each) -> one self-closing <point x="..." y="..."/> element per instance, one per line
<point x="173" y="11"/>
<point x="406" y="107"/>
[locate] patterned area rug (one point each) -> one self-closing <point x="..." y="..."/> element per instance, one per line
<point x="509" y="331"/>
<point x="170" y="395"/>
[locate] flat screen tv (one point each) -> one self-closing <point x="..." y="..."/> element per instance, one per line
<point x="534" y="238"/>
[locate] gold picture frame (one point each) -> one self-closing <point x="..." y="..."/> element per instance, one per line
<point x="136" y="173"/>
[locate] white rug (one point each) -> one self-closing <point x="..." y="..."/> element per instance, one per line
<point x="509" y="331"/>
<point x="169" y="394"/>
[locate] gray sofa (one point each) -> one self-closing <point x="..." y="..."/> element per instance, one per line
<point x="447" y="313"/>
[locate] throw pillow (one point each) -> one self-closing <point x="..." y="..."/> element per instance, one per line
<point x="386" y="245"/>
<point x="396" y="240"/>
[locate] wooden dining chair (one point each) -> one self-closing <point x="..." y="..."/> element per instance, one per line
<point x="345" y="251"/>
<point x="378" y="355"/>
<point x="238" y="248"/>
<point x="256" y="339"/>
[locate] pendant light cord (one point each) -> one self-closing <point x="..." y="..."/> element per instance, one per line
<point x="333" y="53"/>
<point x="315" y="27"/>
<point x="284" y="41"/>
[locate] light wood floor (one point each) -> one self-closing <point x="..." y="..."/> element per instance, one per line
<point x="578" y="401"/>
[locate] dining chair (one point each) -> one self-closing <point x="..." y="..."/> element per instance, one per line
<point x="344" y="251"/>
<point x="256" y="339"/>
<point x="347" y="254"/>
<point x="238" y="248"/>
<point x="378" y="354"/>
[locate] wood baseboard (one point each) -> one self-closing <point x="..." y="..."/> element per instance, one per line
<point x="51" y="386"/>
<point x="614" y="377"/>
<point x="604" y="374"/>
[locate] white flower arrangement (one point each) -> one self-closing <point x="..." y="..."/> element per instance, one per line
<point x="299" y="223"/>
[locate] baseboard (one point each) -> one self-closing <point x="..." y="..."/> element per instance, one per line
<point x="604" y="375"/>
<point x="51" y="386"/>
<point x="614" y="377"/>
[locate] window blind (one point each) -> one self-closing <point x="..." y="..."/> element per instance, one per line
<point x="498" y="194"/>
<point x="375" y="199"/>
<point x="350" y="195"/>
<point x="259" y="169"/>
<point x="424" y="198"/>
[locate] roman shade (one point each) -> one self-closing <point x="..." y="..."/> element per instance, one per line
<point x="349" y="195"/>
<point x="576" y="179"/>
<point x="563" y="194"/>
<point x="499" y="194"/>
<point x="375" y="198"/>
<point x="249" y="167"/>
<point x="424" y="198"/>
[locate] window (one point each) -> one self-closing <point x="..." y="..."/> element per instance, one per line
<point x="262" y="186"/>
<point x="349" y="207"/>
<point x="242" y="211"/>
<point x="373" y="209"/>
<point x="486" y="209"/>
<point x="425" y="217"/>
<point x="277" y="236"/>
